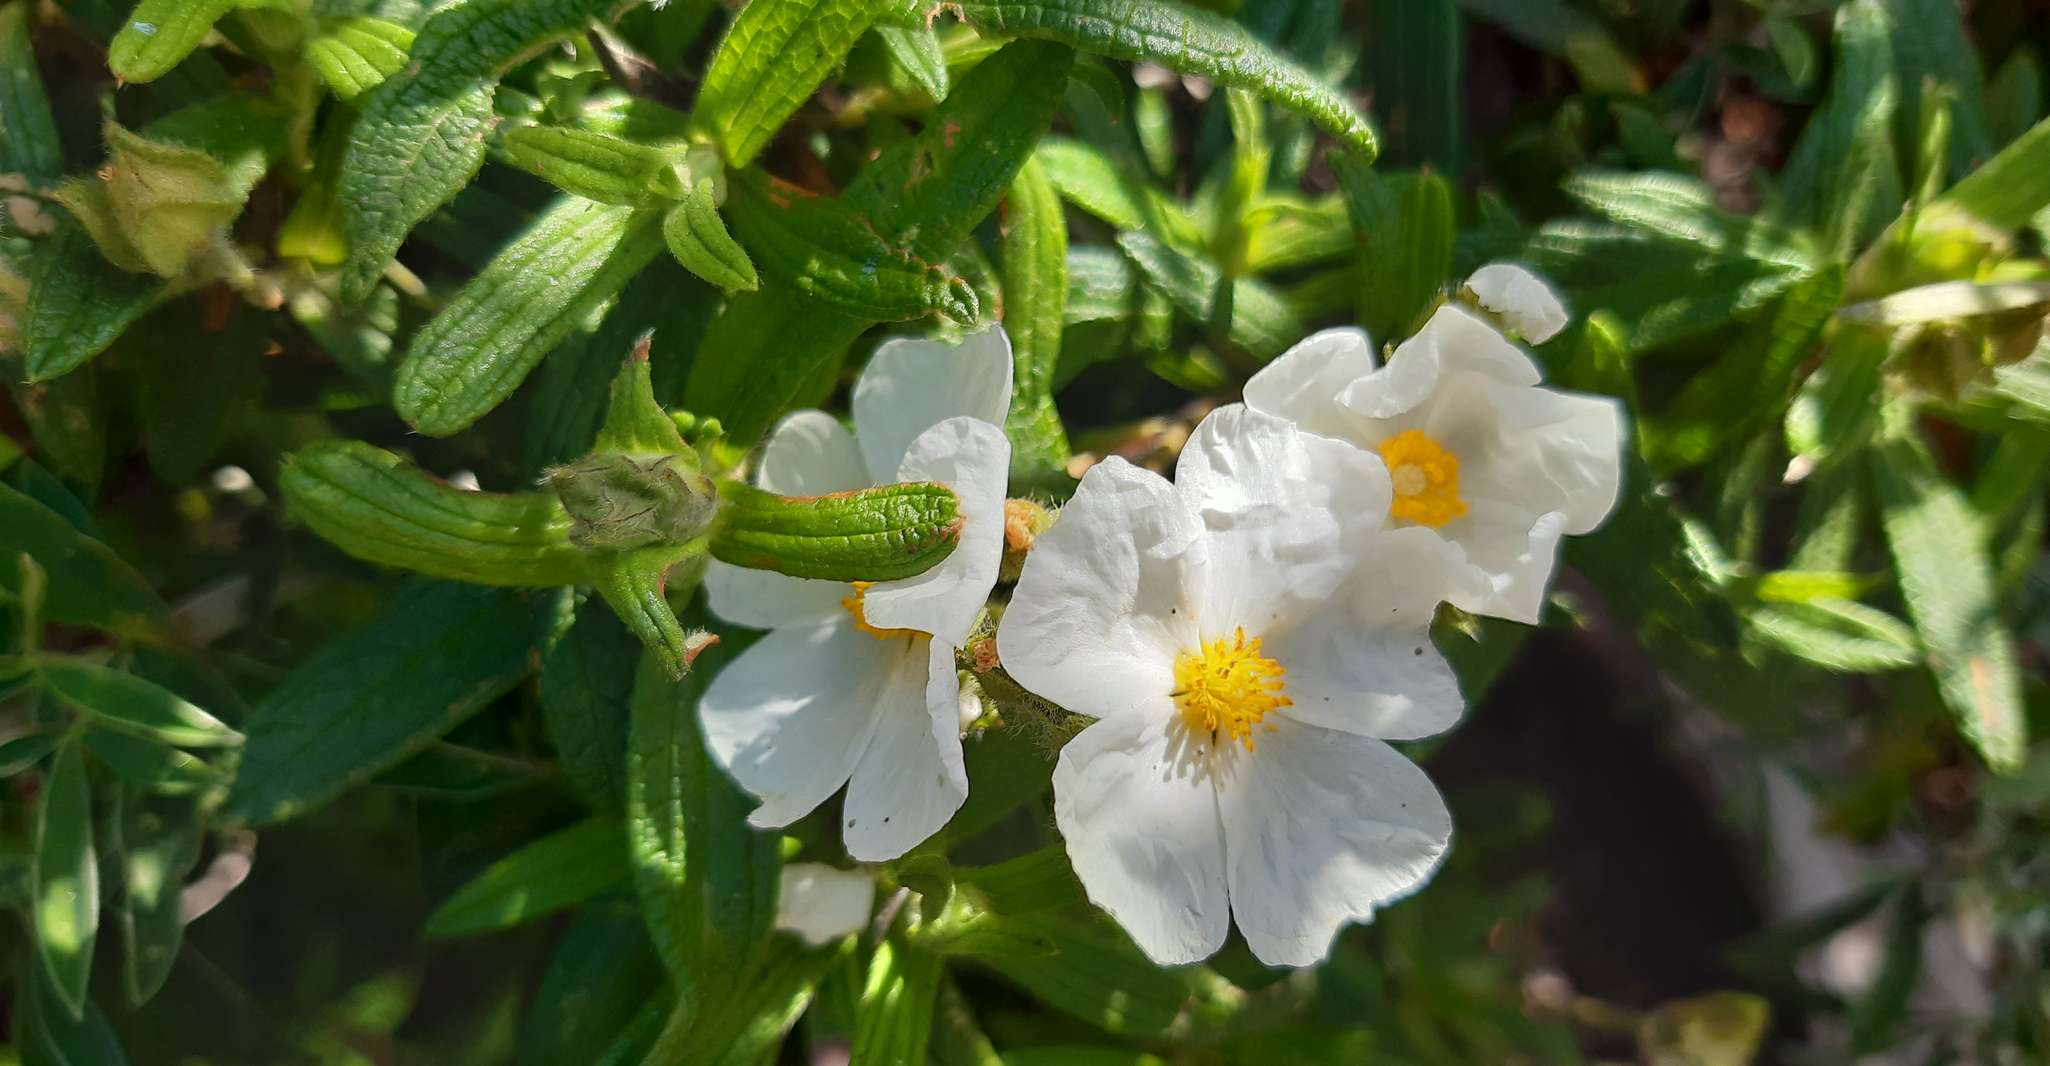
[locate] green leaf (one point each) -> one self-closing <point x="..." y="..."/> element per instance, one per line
<point x="151" y="766"/>
<point x="560" y="870"/>
<point x="894" y="1020"/>
<point x="368" y="700"/>
<point x="422" y="133"/>
<point x="750" y="1013"/>
<point x="697" y="237"/>
<point x="1416" y="53"/>
<point x="1092" y="181"/>
<point x="878" y="534"/>
<point x="89" y="585"/>
<point x="2003" y="192"/>
<point x="1878" y="1016"/>
<point x="707" y="879"/>
<point x="159" y="34"/>
<point x="595" y="166"/>
<point x="67" y="893"/>
<point x="772" y="57"/>
<point x="356" y="55"/>
<point x="1404" y="226"/>
<point x="30" y="147"/>
<point x="78" y="303"/>
<point x="1242" y="311"/>
<point x="1947" y="584"/>
<point x="127" y="702"/>
<point x="1078" y="964"/>
<point x="160" y="843"/>
<point x="1838" y="634"/>
<point x="559" y="274"/>
<point x="586" y="690"/>
<point x="1934" y="56"/>
<point x="47" y="1037"/>
<point x="1682" y="208"/>
<point x="67" y="418"/>
<point x="1035" y="271"/>
<point x="383" y="509"/>
<point x="1843" y="174"/>
<point x="596" y="982"/>
<point x="924" y="194"/>
<point x="190" y="408"/>
<point x="826" y="249"/>
<point x="636" y="584"/>
<point x="1189" y="39"/>
<point x="1566" y="31"/>
<point x="917" y="50"/>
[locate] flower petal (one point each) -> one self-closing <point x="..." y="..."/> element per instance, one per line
<point x="1303" y="383"/>
<point x="1142" y="831"/>
<point x="811" y="454"/>
<point x="1512" y="553"/>
<point x="973" y="458"/>
<point x="765" y="599"/>
<point x="912" y="778"/>
<point x="912" y="384"/>
<point x="1320" y="828"/>
<point x="790" y="718"/>
<point x="1101" y="608"/>
<point x="1525" y="302"/>
<point x="821" y="904"/>
<point x="1452" y="341"/>
<point x="1377" y="681"/>
<point x="1569" y="443"/>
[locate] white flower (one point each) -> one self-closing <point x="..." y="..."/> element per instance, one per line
<point x="1523" y="300"/>
<point x="1221" y="631"/>
<point x="822" y="904"/>
<point x="1489" y="469"/>
<point x="856" y="685"/>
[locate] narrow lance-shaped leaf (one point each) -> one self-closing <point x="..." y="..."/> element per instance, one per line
<point x="772" y="57"/>
<point x="132" y="704"/>
<point x="1035" y="272"/>
<point x="1404" y="227"/>
<point x="356" y="55"/>
<point x="1183" y="37"/>
<point x="893" y="1022"/>
<point x="422" y="133"/>
<point x="697" y="237"/>
<point x="88" y="584"/>
<point x="595" y="166"/>
<point x="568" y="264"/>
<point x="1947" y="585"/>
<point x="160" y="842"/>
<point x="67" y="899"/>
<point x="370" y="699"/>
<point x="586" y="688"/>
<point x="1243" y="311"/>
<point x="559" y="870"/>
<point x="30" y="147"/>
<point x="2003" y="192"/>
<point x="383" y="509"/>
<point x="878" y="534"/>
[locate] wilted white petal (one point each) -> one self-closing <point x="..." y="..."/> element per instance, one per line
<point x="764" y="599"/>
<point x="1524" y="301"/>
<point x="912" y="384"/>
<point x="1141" y="824"/>
<point x="811" y="454"/>
<point x="1102" y="606"/>
<point x="912" y="778"/>
<point x="1320" y="828"/>
<point x="821" y="904"/>
<point x="973" y="458"/>
<point x="789" y="719"/>
<point x="1303" y="383"/>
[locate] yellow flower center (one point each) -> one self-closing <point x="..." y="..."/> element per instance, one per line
<point x="1227" y="686"/>
<point x="852" y="605"/>
<point x="1425" y="477"/>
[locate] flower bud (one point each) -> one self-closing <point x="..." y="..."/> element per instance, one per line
<point x="618" y="501"/>
<point x="1024" y="521"/>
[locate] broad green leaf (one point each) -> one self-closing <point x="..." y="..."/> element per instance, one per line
<point x="89" y="585"/>
<point x="356" y="55"/>
<point x="1947" y="585"/>
<point x="26" y="751"/>
<point x="697" y="237"/>
<point x="826" y="249"/>
<point x="29" y="146"/>
<point x="596" y="982"/>
<point x="78" y="303"/>
<point x="706" y="878"/>
<point x="1404" y="226"/>
<point x="67" y="892"/>
<point x="1035" y="881"/>
<point x="568" y="265"/>
<point x="1838" y="635"/>
<point x="2003" y="192"/>
<point x="1078" y="964"/>
<point x="1183" y="37"/>
<point x="423" y="131"/>
<point x="771" y="59"/>
<point x="586" y="690"/>
<point x="924" y="194"/>
<point x="159" y="34"/>
<point x="878" y="534"/>
<point x="191" y="408"/>
<point x="1243" y="311"/>
<point x="127" y="702"/>
<point x="1568" y="32"/>
<point x="894" y="1020"/>
<point x="1091" y="180"/>
<point x="559" y="870"/>
<point x="46" y="1036"/>
<point x="67" y="419"/>
<point x="2014" y="96"/>
<point x="369" y="699"/>
<point x="381" y="508"/>
<point x="160" y="842"/>
<point x="1035" y="271"/>
<point x="595" y="166"/>
<point x="1010" y="768"/>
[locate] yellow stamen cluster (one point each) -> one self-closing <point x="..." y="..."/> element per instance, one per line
<point x="1425" y="477"/>
<point x="1227" y="686"/>
<point x="852" y="605"/>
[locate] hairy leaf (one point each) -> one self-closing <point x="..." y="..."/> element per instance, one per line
<point x="772" y="57"/>
<point x="559" y="870"/>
